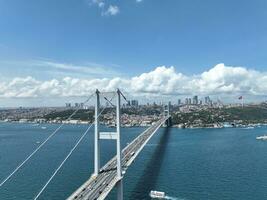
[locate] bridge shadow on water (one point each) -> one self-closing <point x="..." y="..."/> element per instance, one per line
<point x="148" y="180"/>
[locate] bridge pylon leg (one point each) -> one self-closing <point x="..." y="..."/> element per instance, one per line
<point x="119" y="173"/>
<point x="120" y="190"/>
<point x="97" y="149"/>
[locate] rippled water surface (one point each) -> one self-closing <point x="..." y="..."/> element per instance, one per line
<point x="189" y="164"/>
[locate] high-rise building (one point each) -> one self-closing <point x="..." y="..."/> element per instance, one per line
<point x="68" y="105"/>
<point x="207" y="100"/>
<point x="189" y="101"/>
<point x="79" y="105"/>
<point x="195" y="100"/>
<point x="186" y="101"/>
<point x="179" y="102"/>
<point x="134" y="103"/>
<point x="128" y="103"/>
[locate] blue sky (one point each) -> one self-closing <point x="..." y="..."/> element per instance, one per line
<point x="190" y="35"/>
<point x="50" y="39"/>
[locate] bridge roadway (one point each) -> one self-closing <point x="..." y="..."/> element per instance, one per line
<point x="99" y="186"/>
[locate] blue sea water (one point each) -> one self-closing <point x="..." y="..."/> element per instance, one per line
<point x="189" y="164"/>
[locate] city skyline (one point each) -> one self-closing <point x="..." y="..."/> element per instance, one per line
<point x="147" y="48"/>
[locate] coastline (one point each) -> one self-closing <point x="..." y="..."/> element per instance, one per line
<point x="178" y="126"/>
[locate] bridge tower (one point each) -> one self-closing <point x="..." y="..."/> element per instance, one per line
<point x="109" y="135"/>
<point x="166" y="113"/>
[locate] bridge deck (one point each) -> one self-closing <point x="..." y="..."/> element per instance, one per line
<point x="98" y="187"/>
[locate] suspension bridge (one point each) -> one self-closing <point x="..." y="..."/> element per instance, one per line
<point x="105" y="178"/>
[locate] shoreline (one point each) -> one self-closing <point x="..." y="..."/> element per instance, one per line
<point x="178" y="126"/>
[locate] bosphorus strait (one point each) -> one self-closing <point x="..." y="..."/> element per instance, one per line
<point x="190" y="164"/>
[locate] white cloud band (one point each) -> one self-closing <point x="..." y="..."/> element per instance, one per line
<point x="219" y="80"/>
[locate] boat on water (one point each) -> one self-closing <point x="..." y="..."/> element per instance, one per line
<point x="157" y="194"/>
<point x="263" y="137"/>
<point x="250" y="127"/>
<point x="111" y="125"/>
<point x="43" y="127"/>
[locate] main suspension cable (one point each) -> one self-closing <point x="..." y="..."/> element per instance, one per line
<point x="42" y="144"/>
<point x="69" y="154"/>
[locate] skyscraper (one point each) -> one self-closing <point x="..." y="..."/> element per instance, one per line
<point x="195" y="100"/>
<point x="186" y="101"/>
<point x="68" y="105"/>
<point x="134" y="103"/>
<point x="189" y="101"/>
<point x="207" y="100"/>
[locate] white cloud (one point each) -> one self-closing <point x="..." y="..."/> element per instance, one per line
<point x="219" y="80"/>
<point x="105" y="8"/>
<point x="112" y="10"/>
<point x="89" y="69"/>
<point x="48" y="67"/>
<point x="100" y="3"/>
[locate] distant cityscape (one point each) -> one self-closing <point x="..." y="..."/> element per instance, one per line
<point x="186" y="113"/>
<point x="131" y="103"/>
<point x="135" y="103"/>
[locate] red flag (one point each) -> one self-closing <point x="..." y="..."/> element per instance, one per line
<point x="241" y="97"/>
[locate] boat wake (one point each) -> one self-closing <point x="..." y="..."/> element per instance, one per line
<point x="173" y="198"/>
<point x="250" y="127"/>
